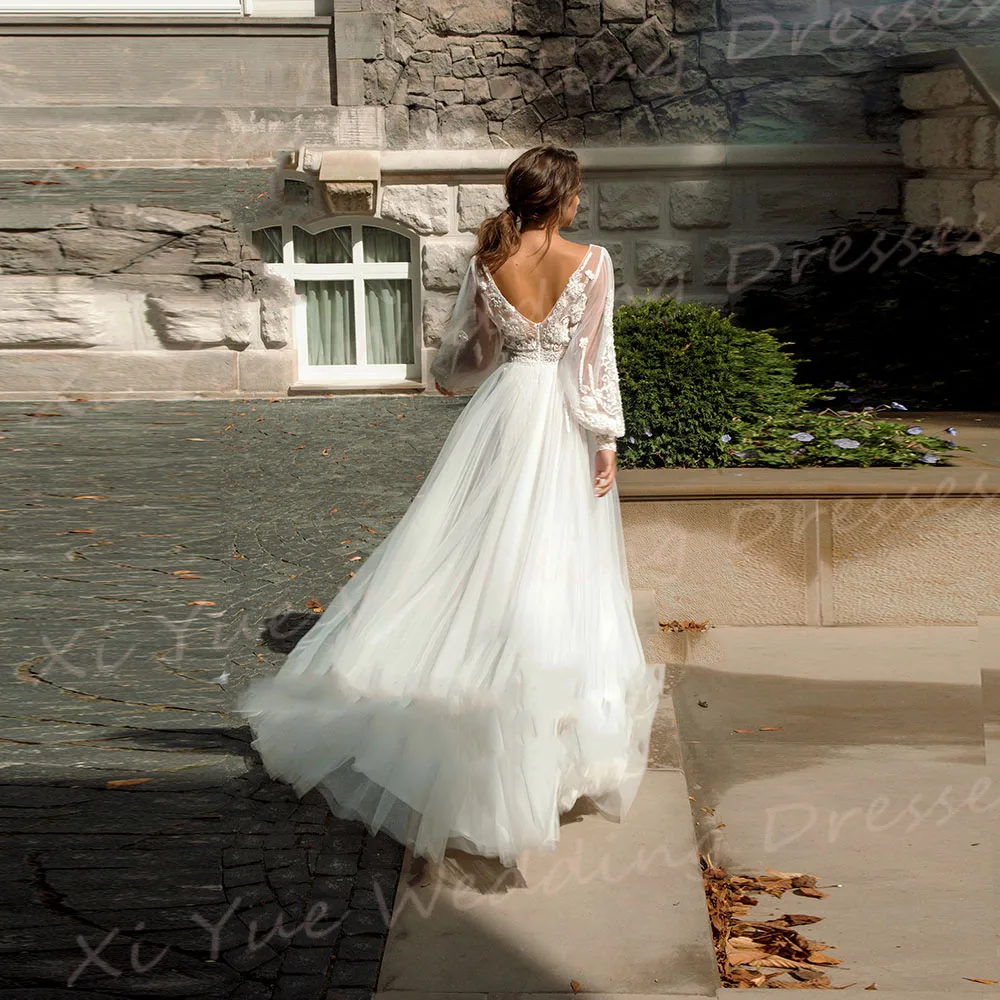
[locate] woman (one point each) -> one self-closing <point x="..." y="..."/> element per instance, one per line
<point x="483" y="670"/>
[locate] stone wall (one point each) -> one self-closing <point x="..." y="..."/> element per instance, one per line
<point x="127" y="299"/>
<point x="511" y="73"/>
<point x="704" y="238"/>
<point x="955" y="142"/>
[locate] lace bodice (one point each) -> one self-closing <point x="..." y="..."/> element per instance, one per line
<point x="576" y="335"/>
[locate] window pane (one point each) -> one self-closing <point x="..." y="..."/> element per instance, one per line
<point x="329" y="321"/>
<point x="383" y="246"/>
<point x="331" y="246"/>
<point x="389" y="316"/>
<point x="268" y="244"/>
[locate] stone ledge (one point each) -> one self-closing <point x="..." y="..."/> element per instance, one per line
<point x="678" y="156"/>
<point x="182" y="24"/>
<point x="803" y="484"/>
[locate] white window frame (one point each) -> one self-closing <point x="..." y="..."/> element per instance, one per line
<point x="127" y="8"/>
<point x="356" y="271"/>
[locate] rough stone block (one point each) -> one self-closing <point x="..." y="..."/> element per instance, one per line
<point x="564" y="132"/>
<point x="946" y="142"/>
<point x="423" y="128"/>
<point x="477" y="202"/>
<point x="435" y="311"/>
<point x="97" y="250"/>
<point x="623" y="10"/>
<point x="739" y="261"/>
<point x="469" y="17"/>
<point x="582" y="219"/>
<point x="204" y="320"/>
<point x="477" y="90"/>
<point x="505" y="87"/>
<point x="537" y="17"/>
<point x="29" y="253"/>
<point x="151" y="218"/>
<point x="444" y="263"/>
<point x="817" y="200"/>
<point x="985" y="143"/>
<point x="604" y="58"/>
<point x="942" y="88"/>
<point x="613" y="96"/>
<point x="702" y="117"/>
<point x="583" y="20"/>
<point x="463" y="127"/>
<point x="555" y="52"/>
<point x="629" y="206"/>
<point x="639" y="128"/>
<point x="265" y="371"/>
<point x="37" y="312"/>
<point x="422" y="208"/>
<point x="522" y="128"/>
<point x="650" y="46"/>
<point x="661" y="262"/>
<point x="700" y="203"/>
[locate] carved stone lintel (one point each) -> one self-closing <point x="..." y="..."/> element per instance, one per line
<point x="349" y="197"/>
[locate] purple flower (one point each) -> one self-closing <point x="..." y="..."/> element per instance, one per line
<point x="897" y="406"/>
<point x="631" y="440"/>
<point x="727" y="437"/>
<point x="929" y="458"/>
<point x="950" y="430"/>
<point x="847" y="443"/>
<point x="914" y="430"/>
<point x="801" y="436"/>
<point x="648" y="432"/>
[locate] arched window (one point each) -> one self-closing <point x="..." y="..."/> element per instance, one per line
<point x="356" y="313"/>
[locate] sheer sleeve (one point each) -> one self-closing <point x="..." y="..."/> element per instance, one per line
<point x="471" y="345"/>
<point x="588" y="371"/>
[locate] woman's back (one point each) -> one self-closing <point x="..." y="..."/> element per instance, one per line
<point x="531" y="281"/>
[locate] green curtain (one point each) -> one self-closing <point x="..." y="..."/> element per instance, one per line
<point x="331" y="246"/>
<point x="329" y="321"/>
<point x="268" y="244"/>
<point x="383" y="246"/>
<point x="389" y="315"/>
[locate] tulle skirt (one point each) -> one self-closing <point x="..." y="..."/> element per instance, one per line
<point x="483" y="669"/>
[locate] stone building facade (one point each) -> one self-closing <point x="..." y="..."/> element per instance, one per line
<point x="277" y="196"/>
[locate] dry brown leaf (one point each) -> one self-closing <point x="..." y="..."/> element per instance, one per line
<point x="770" y="729"/>
<point x="325" y="452"/>
<point x="201" y="604"/>
<point x="90" y="496"/>
<point x="744" y="730"/>
<point x="38" y="413"/>
<point x="810" y="892"/>
<point x="333" y="510"/>
<point x="818" y="958"/>
<point x="125" y="782"/>
<point x="195" y="439"/>
<point x="354" y="558"/>
<point x="871" y="986"/>
<point x="987" y="982"/>
<point x="314" y="605"/>
<point x="299" y="447"/>
<point x="80" y="531"/>
<point x="575" y="986"/>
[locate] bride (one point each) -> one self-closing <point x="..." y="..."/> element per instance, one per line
<point x="482" y="671"/>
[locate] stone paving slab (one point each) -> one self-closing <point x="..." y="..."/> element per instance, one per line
<point x="115" y="518"/>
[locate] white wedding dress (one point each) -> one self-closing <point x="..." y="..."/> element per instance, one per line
<point x="483" y="670"/>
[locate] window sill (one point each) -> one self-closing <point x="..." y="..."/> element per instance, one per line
<point x="358" y="388"/>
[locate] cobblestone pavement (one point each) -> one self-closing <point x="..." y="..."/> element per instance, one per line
<point x="145" y="852"/>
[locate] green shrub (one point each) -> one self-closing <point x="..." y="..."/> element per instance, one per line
<point x="700" y="391"/>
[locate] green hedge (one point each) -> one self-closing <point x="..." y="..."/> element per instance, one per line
<point x="699" y="391"/>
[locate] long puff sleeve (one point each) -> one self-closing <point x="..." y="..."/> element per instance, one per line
<point x="588" y="371"/>
<point x="471" y="345"/>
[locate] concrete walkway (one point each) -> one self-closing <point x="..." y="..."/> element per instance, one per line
<point x="875" y="782"/>
<point x="615" y="909"/>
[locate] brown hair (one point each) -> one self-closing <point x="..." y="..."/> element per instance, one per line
<point x="537" y="185"/>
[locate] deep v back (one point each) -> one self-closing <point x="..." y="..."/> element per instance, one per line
<point x="566" y="286"/>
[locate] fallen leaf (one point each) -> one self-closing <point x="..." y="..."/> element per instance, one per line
<point x="90" y="496"/>
<point x="299" y="447"/>
<point x="354" y="558"/>
<point x="258" y="420"/>
<point x="871" y="986"/>
<point x="744" y="730"/>
<point x="986" y="982"/>
<point x="575" y="986"/>
<point x="770" y="729"/>
<point x="325" y="452"/>
<point x="201" y="604"/>
<point x="125" y="782"/>
<point x="38" y="413"/>
<point x="314" y="605"/>
<point x="80" y="531"/>
<point x="811" y="893"/>
<point x="333" y="510"/>
<point x="146" y="534"/>
<point x="229" y="427"/>
<point x="194" y="439"/>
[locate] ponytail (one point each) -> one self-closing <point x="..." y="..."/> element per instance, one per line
<point x="498" y="239"/>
